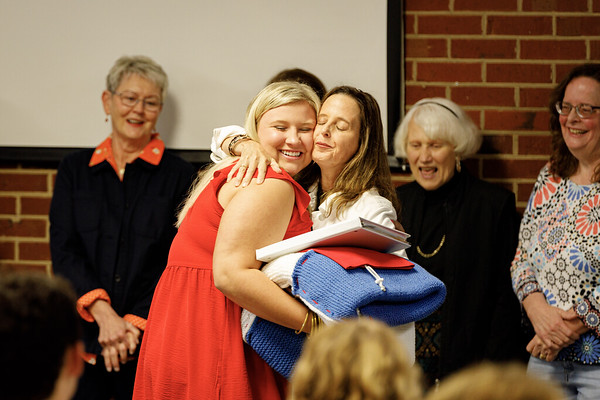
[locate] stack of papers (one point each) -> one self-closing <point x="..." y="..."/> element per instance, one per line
<point x="356" y="232"/>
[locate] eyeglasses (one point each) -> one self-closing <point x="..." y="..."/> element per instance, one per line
<point x="130" y="99"/>
<point x="583" y="110"/>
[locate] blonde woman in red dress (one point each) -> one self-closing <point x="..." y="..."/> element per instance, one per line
<point x="192" y="347"/>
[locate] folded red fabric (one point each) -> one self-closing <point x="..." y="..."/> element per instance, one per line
<point x="354" y="257"/>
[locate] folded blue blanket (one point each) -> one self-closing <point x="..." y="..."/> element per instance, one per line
<point x="395" y="296"/>
<point x="404" y="295"/>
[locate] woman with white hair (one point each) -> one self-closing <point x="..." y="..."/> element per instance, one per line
<point x="463" y="231"/>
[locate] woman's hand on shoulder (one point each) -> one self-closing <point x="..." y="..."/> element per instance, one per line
<point x="252" y="157"/>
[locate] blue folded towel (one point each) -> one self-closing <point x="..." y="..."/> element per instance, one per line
<point x="405" y="295"/>
<point x="395" y="296"/>
<point x="279" y="346"/>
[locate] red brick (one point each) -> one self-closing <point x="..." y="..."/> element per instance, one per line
<point x="409" y="24"/>
<point x="483" y="48"/>
<point x="34" y="251"/>
<point x="496" y="144"/>
<point x="578" y="26"/>
<point x="449" y="72"/>
<point x="408" y="71"/>
<point x="23" y="182"/>
<point x="431" y="5"/>
<point x="35" y="205"/>
<point x="8" y="205"/>
<point x="425" y="48"/>
<point x="414" y="93"/>
<point x="530" y="73"/>
<point x="475" y="115"/>
<point x="485" y="5"/>
<point x="503" y="169"/>
<point x="18" y="266"/>
<point x="7" y="250"/>
<point x="535" y="145"/>
<point x="519" y="25"/>
<point x="23" y="228"/>
<point x="534" y="97"/>
<point x="555" y="5"/>
<point x="524" y="191"/>
<point x="449" y="25"/>
<point x="595" y="49"/>
<point x="553" y="49"/>
<point x="516" y="120"/>
<point x="483" y="96"/>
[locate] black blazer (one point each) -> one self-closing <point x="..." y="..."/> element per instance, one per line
<point x="115" y="235"/>
<point x="481" y="316"/>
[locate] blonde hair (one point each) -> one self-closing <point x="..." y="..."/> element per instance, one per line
<point x="272" y="96"/>
<point x="355" y="359"/>
<point x="441" y="119"/>
<point x="489" y="381"/>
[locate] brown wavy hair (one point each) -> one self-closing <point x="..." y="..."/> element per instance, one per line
<point x="369" y="167"/>
<point x="562" y="162"/>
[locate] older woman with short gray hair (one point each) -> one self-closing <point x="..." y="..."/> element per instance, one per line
<point x="112" y="222"/>
<point x="464" y="231"/>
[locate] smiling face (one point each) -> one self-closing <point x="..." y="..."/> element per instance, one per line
<point x="337" y="133"/>
<point x="431" y="161"/>
<point x="133" y="124"/>
<point x="582" y="136"/>
<point x="286" y="133"/>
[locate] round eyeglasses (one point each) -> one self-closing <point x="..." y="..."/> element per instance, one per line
<point x="583" y="110"/>
<point x="130" y="99"/>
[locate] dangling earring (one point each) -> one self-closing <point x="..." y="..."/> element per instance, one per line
<point x="458" y="164"/>
<point x="106" y="119"/>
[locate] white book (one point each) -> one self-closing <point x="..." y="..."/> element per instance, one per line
<point x="355" y="232"/>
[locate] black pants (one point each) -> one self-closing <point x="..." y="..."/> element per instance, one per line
<point x="98" y="384"/>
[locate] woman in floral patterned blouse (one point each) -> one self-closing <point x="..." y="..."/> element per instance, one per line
<point x="556" y="269"/>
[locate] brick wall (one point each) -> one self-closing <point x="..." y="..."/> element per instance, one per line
<point x="498" y="59"/>
<point x="25" y="194"/>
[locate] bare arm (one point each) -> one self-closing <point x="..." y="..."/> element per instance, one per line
<point x="254" y="217"/>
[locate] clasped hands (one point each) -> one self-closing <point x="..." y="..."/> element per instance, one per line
<point x="555" y="328"/>
<point x="119" y="339"/>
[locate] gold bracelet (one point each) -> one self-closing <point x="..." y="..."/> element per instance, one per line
<point x="314" y="323"/>
<point x="299" y="331"/>
<point x="234" y="141"/>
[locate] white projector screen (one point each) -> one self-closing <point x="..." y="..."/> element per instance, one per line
<point x="54" y="57"/>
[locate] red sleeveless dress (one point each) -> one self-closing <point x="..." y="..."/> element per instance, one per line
<point x="192" y="347"/>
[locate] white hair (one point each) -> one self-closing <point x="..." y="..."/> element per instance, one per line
<point x="440" y="119"/>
